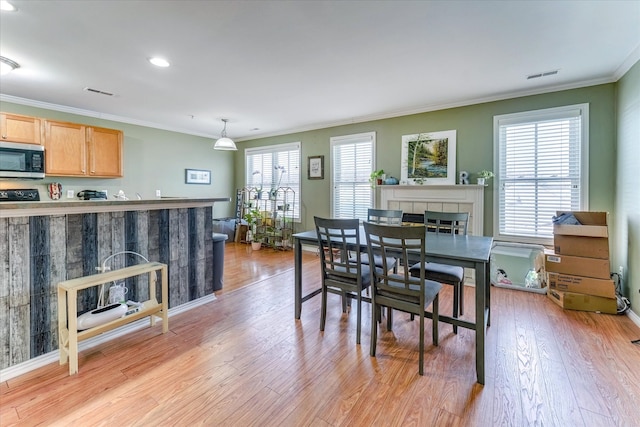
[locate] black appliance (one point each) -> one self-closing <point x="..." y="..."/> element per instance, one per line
<point x="92" y="195"/>
<point x="18" y="160"/>
<point x="22" y="195"/>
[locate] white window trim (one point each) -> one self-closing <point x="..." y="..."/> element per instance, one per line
<point x="279" y="147"/>
<point x="335" y="140"/>
<point x="584" y="162"/>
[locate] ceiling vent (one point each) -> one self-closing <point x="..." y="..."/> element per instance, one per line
<point x="101" y="92"/>
<point x="545" y="74"/>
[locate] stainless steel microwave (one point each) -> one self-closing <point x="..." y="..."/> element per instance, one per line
<point x="18" y="160"/>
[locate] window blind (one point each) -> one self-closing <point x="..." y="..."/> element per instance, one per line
<point x="541" y="169"/>
<point x="352" y="159"/>
<point x="275" y="166"/>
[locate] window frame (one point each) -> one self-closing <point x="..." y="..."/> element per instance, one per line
<point x="345" y="140"/>
<point x="530" y="117"/>
<point x="273" y="150"/>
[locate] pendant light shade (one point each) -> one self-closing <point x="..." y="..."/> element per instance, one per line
<point x="7" y="65"/>
<point x="225" y="143"/>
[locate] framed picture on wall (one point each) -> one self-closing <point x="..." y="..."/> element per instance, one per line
<point x="429" y="158"/>
<point x="197" y="176"/>
<point x="316" y="167"/>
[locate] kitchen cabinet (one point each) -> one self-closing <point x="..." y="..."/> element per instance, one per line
<point x="73" y="149"/>
<point x="17" y="128"/>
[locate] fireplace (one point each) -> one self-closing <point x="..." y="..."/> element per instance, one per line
<point x="440" y="198"/>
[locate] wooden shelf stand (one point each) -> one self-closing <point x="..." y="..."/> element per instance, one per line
<point x="69" y="336"/>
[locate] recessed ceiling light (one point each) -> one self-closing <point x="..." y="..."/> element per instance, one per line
<point x="159" y="62"/>
<point x="7" y="7"/>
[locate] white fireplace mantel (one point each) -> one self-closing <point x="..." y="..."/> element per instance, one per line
<point x="441" y="198"/>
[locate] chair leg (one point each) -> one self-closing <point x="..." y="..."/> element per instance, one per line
<point x="323" y="308"/>
<point x="461" y="296"/>
<point x="456" y="301"/>
<point x="359" y="319"/>
<point x="389" y="318"/>
<point x="421" y="361"/>
<point x="375" y="312"/>
<point x="434" y="328"/>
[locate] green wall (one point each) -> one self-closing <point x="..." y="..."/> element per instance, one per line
<point x="474" y="125"/>
<point x="153" y="160"/>
<point x="626" y="240"/>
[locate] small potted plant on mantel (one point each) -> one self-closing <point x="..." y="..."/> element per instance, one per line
<point x="376" y="178"/>
<point x="484" y="176"/>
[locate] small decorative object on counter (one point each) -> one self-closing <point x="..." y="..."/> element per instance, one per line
<point x="463" y="178"/>
<point x="55" y="190"/>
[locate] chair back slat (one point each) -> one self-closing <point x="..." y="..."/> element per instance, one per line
<point x="394" y="241"/>
<point x="451" y="223"/>
<point x="385" y="216"/>
<point x="335" y="238"/>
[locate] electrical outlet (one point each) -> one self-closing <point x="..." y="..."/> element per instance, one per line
<point x="70" y="194"/>
<point x="158" y="193"/>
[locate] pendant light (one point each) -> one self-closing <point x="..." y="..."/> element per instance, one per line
<point x="7" y="65"/>
<point x="225" y="143"/>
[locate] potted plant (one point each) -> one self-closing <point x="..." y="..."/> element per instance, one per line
<point x="484" y="176"/>
<point x="376" y="177"/>
<point x="253" y="218"/>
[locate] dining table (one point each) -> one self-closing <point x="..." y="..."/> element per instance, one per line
<point x="467" y="251"/>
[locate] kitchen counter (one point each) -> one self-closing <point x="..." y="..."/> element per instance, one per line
<point x="20" y="209"/>
<point x="45" y="243"/>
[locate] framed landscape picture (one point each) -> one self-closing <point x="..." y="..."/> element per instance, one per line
<point x="429" y="158"/>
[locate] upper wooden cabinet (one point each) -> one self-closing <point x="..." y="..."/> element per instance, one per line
<point x="105" y="152"/>
<point x="17" y="128"/>
<point x="72" y="149"/>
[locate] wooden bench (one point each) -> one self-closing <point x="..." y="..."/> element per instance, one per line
<point x="69" y="336"/>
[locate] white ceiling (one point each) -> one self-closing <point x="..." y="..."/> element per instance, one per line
<point x="284" y="66"/>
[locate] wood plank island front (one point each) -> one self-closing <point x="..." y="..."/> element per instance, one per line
<point x="45" y="243"/>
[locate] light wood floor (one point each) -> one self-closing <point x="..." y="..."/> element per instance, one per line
<point x="243" y="360"/>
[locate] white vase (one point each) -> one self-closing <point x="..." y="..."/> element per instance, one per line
<point x="480" y="181"/>
<point x="256" y="246"/>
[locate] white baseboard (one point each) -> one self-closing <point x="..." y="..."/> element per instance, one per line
<point x="54" y="356"/>
<point x="634" y="318"/>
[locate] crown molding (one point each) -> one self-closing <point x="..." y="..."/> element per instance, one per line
<point x="434" y="107"/>
<point x="98" y="115"/>
<point x="352" y="120"/>
<point x="634" y="56"/>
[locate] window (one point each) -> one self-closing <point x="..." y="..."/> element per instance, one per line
<point x="275" y="166"/>
<point x="352" y="160"/>
<point x="542" y="159"/>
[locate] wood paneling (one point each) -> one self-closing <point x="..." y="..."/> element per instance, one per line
<point x="38" y="252"/>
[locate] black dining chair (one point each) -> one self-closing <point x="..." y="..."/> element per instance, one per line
<point x="384" y="217"/>
<point x="448" y="223"/>
<point x="341" y="274"/>
<point x="403" y="291"/>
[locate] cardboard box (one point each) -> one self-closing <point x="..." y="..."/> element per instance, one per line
<point x="577" y="266"/>
<point x="587" y="240"/>
<point x="582" y="285"/>
<point x="589" y="247"/>
<point x="593" y="224"/>
<point x="583" y="302"/>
